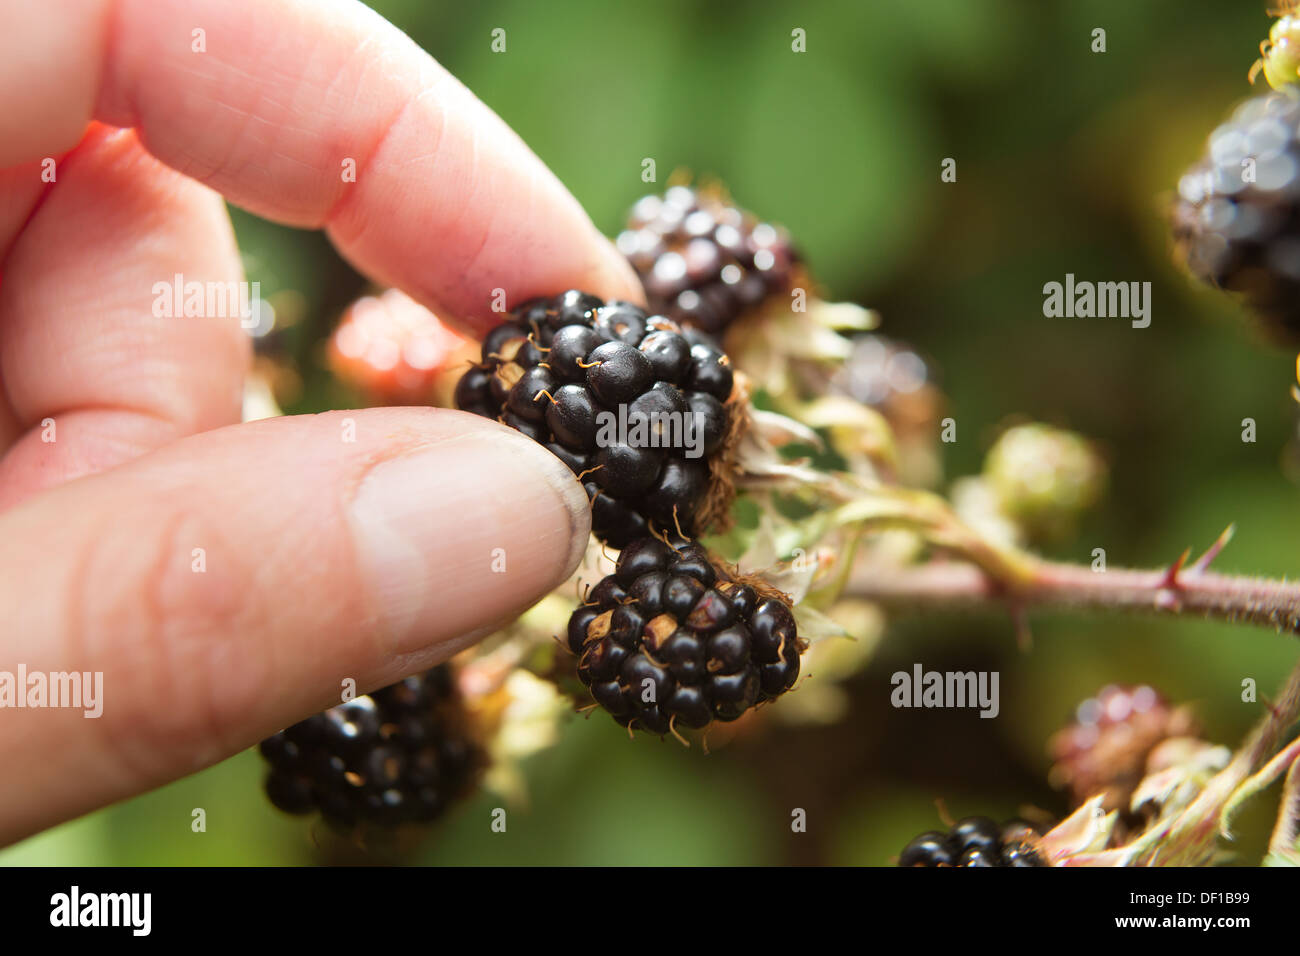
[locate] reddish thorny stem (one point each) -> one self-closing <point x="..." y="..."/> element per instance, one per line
<point x="1193" y="834"/>
<point x="939" y="584"/>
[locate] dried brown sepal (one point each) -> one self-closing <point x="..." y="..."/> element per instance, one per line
<point x="715" y="510"/>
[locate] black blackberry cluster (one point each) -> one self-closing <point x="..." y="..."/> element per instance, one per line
<point x="702" y="260"/>
<point x="399" y="755"/>
<point x="672" y="639"/>
<point x="1236" y="221"/>
<point x="623" y="398"/>
<point x="975" y="841"/>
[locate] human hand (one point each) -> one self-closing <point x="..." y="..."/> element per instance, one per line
<point x="226" y="578"/>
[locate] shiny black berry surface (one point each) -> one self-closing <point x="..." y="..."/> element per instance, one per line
<point x="975" y="842"/>
<point x="634" y="405"/>
<point x="400" y="755"/>
<point x="671" y="640"/>
<point x="702" y="260"/>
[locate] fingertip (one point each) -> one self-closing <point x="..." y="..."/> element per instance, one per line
<point x="226" y="583"/>
<point x="613" y="276"/>
<point x="465" y="533"/>
<point x="49" y="74"/>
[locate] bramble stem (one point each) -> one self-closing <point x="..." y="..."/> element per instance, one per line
<point x="1267" y="736"/>
<point x="1191" y="836"/>
<point x="983" y="571"/>
<point x="1199" y="826"/>
<point x="941" y="584"/>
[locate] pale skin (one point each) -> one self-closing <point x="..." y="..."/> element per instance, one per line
<point x="227" y="578"/>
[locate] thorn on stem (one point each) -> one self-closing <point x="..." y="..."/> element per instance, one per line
<point x="1212" y="552"/>
<point x="1170" y="581"/>
<point x="1272" y="708"/>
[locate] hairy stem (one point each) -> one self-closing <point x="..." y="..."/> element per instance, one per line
<point x="1197" y="829"/>
<point x="1176" y="591"/>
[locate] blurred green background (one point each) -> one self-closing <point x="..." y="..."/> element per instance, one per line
<point x="1064" y="159"/>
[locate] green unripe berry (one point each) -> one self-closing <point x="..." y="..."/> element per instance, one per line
<point x="1044" y="478"/>
<point x="1280" y="55"/>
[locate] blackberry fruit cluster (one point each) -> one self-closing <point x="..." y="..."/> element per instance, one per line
<point x="400" y="755"/>
<point x="671" y="638"/>
<point x="975" y="841"/>
<point x="1236" y="221"/>
<point x="641" y="415"/>
<point x="1105" y="750"/>
<point x="704" y="261"/>
<point x="893" y="378"/>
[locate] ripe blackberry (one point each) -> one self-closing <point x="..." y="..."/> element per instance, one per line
<point x="1105" y="749"/>
<point x="642" y="416"/>
<point x="672" y="638"/>
<point x="400" y="755"/>
<point x="704" y="261"/>
<point x="975" y="841"/>
<point x="1236" y="222"/>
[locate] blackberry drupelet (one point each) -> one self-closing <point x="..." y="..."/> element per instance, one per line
<point x="400" y="755"/>
<point x="641" y="415"/>
<point x="671" y="638"/>
<point x="1236" y="221"/>
<point x="704" y="261"/>
<point x="975" y="841"/>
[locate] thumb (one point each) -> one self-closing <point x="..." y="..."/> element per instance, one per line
<point x="225" y="585"/>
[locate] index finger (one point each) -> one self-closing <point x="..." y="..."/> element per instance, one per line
<point x="321" y="114"/>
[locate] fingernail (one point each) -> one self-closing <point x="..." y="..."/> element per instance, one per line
<point x="466" y="532"/>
